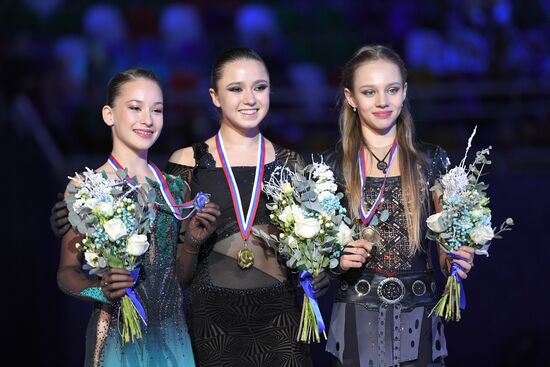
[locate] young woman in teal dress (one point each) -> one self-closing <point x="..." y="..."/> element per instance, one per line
<point x="386" y="286"/>
<point x="134" y="113"/>
<point x="243" y="309"/>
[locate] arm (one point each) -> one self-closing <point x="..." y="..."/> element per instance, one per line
<point x="193" y="233"/>
<point x="59" y="218"/>
<point x="72" y="280"/>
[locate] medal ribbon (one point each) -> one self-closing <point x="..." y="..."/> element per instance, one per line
<point x="366" y="216"/>
<point x="245" y="224"/>
<point x="161" y="181"/>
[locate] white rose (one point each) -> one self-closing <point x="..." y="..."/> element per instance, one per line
<point x="95" y="260"/>
<point x="306" y="227"/>
<point x="115" y="229"/>
<point x="482" y="234"/>
<point x="104" y="208"/>
<point x="137" y="244"/>
<point x="345" y="234"/>
<point x="437" y="223"/>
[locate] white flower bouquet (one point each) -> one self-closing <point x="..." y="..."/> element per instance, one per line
<point x="313" y="228"/>
<point x="114" y="218"/>
<point x="464" y="220"/>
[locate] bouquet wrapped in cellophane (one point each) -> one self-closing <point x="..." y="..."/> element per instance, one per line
<point x="313" y="226"/>
<point x="464" y="220"/>
<point x="114" y="219"/>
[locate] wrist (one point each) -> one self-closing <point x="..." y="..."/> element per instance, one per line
<point x="191" y="245"/>
<point x="95" y="293"/>
<point x="338" y="270"/>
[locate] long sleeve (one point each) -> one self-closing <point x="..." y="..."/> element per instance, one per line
<point x="186" y="256"/>
<point x="70" y="277"/>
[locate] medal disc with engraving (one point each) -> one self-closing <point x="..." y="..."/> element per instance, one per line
<point x="371" y="235"/>
<point x="245" y="258"/>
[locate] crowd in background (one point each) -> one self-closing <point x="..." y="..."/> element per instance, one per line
<point x="480" y="55"/>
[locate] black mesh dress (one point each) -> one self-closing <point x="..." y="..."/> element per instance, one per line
<point x="240" y="317"/>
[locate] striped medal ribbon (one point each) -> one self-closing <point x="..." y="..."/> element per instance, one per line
<point x="366" y="216"/>
<point x="166" y="194"/>
<point x="245" y="256"/>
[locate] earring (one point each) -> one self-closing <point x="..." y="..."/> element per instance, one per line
<point x="354" y="109"/>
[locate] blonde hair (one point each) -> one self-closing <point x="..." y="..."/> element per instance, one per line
<point x="410" y="158"/>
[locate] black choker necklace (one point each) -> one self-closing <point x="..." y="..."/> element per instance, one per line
<point x="381" y="165"/>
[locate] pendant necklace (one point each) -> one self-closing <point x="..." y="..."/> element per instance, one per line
<point x="245" y="257"/>
<point x="381" y="165"/>
<point x="366" y="215"/>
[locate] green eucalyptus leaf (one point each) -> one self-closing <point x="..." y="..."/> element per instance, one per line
<point x="309" y="196"/>
<point x="82" y="228"/>
<point x="74" y="219"/>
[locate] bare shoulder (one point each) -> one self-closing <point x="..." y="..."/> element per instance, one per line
<point x="183" y="156"/>
<point x="270" y="153"/>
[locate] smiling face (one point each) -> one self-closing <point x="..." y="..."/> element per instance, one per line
<point x="136" y="114"/>
<point x="242" y="94"/>
<point x="378" y="94"/>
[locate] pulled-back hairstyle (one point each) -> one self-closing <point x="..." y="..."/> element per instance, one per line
<point x="228" y="56"/>
<point x="353" y="141"/>
<point x="117" y="81"/>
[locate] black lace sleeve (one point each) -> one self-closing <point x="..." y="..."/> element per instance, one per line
<point x="175" y="169"/>
<point x="437" y="161"/>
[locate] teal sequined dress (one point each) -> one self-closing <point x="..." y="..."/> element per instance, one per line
<point x="165" y="339"/>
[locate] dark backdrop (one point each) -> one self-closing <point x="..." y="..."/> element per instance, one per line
<point x="484" y="63"/>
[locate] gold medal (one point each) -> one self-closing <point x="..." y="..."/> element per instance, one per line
<point x="245" y="258"/>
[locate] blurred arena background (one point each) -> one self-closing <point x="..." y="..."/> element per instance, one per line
<point x="470" y="62"/>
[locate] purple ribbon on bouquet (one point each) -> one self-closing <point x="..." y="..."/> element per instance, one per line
<point x="454" y="272"/>
<point x="305" y="282"/>
<point x="133" y="296"/>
